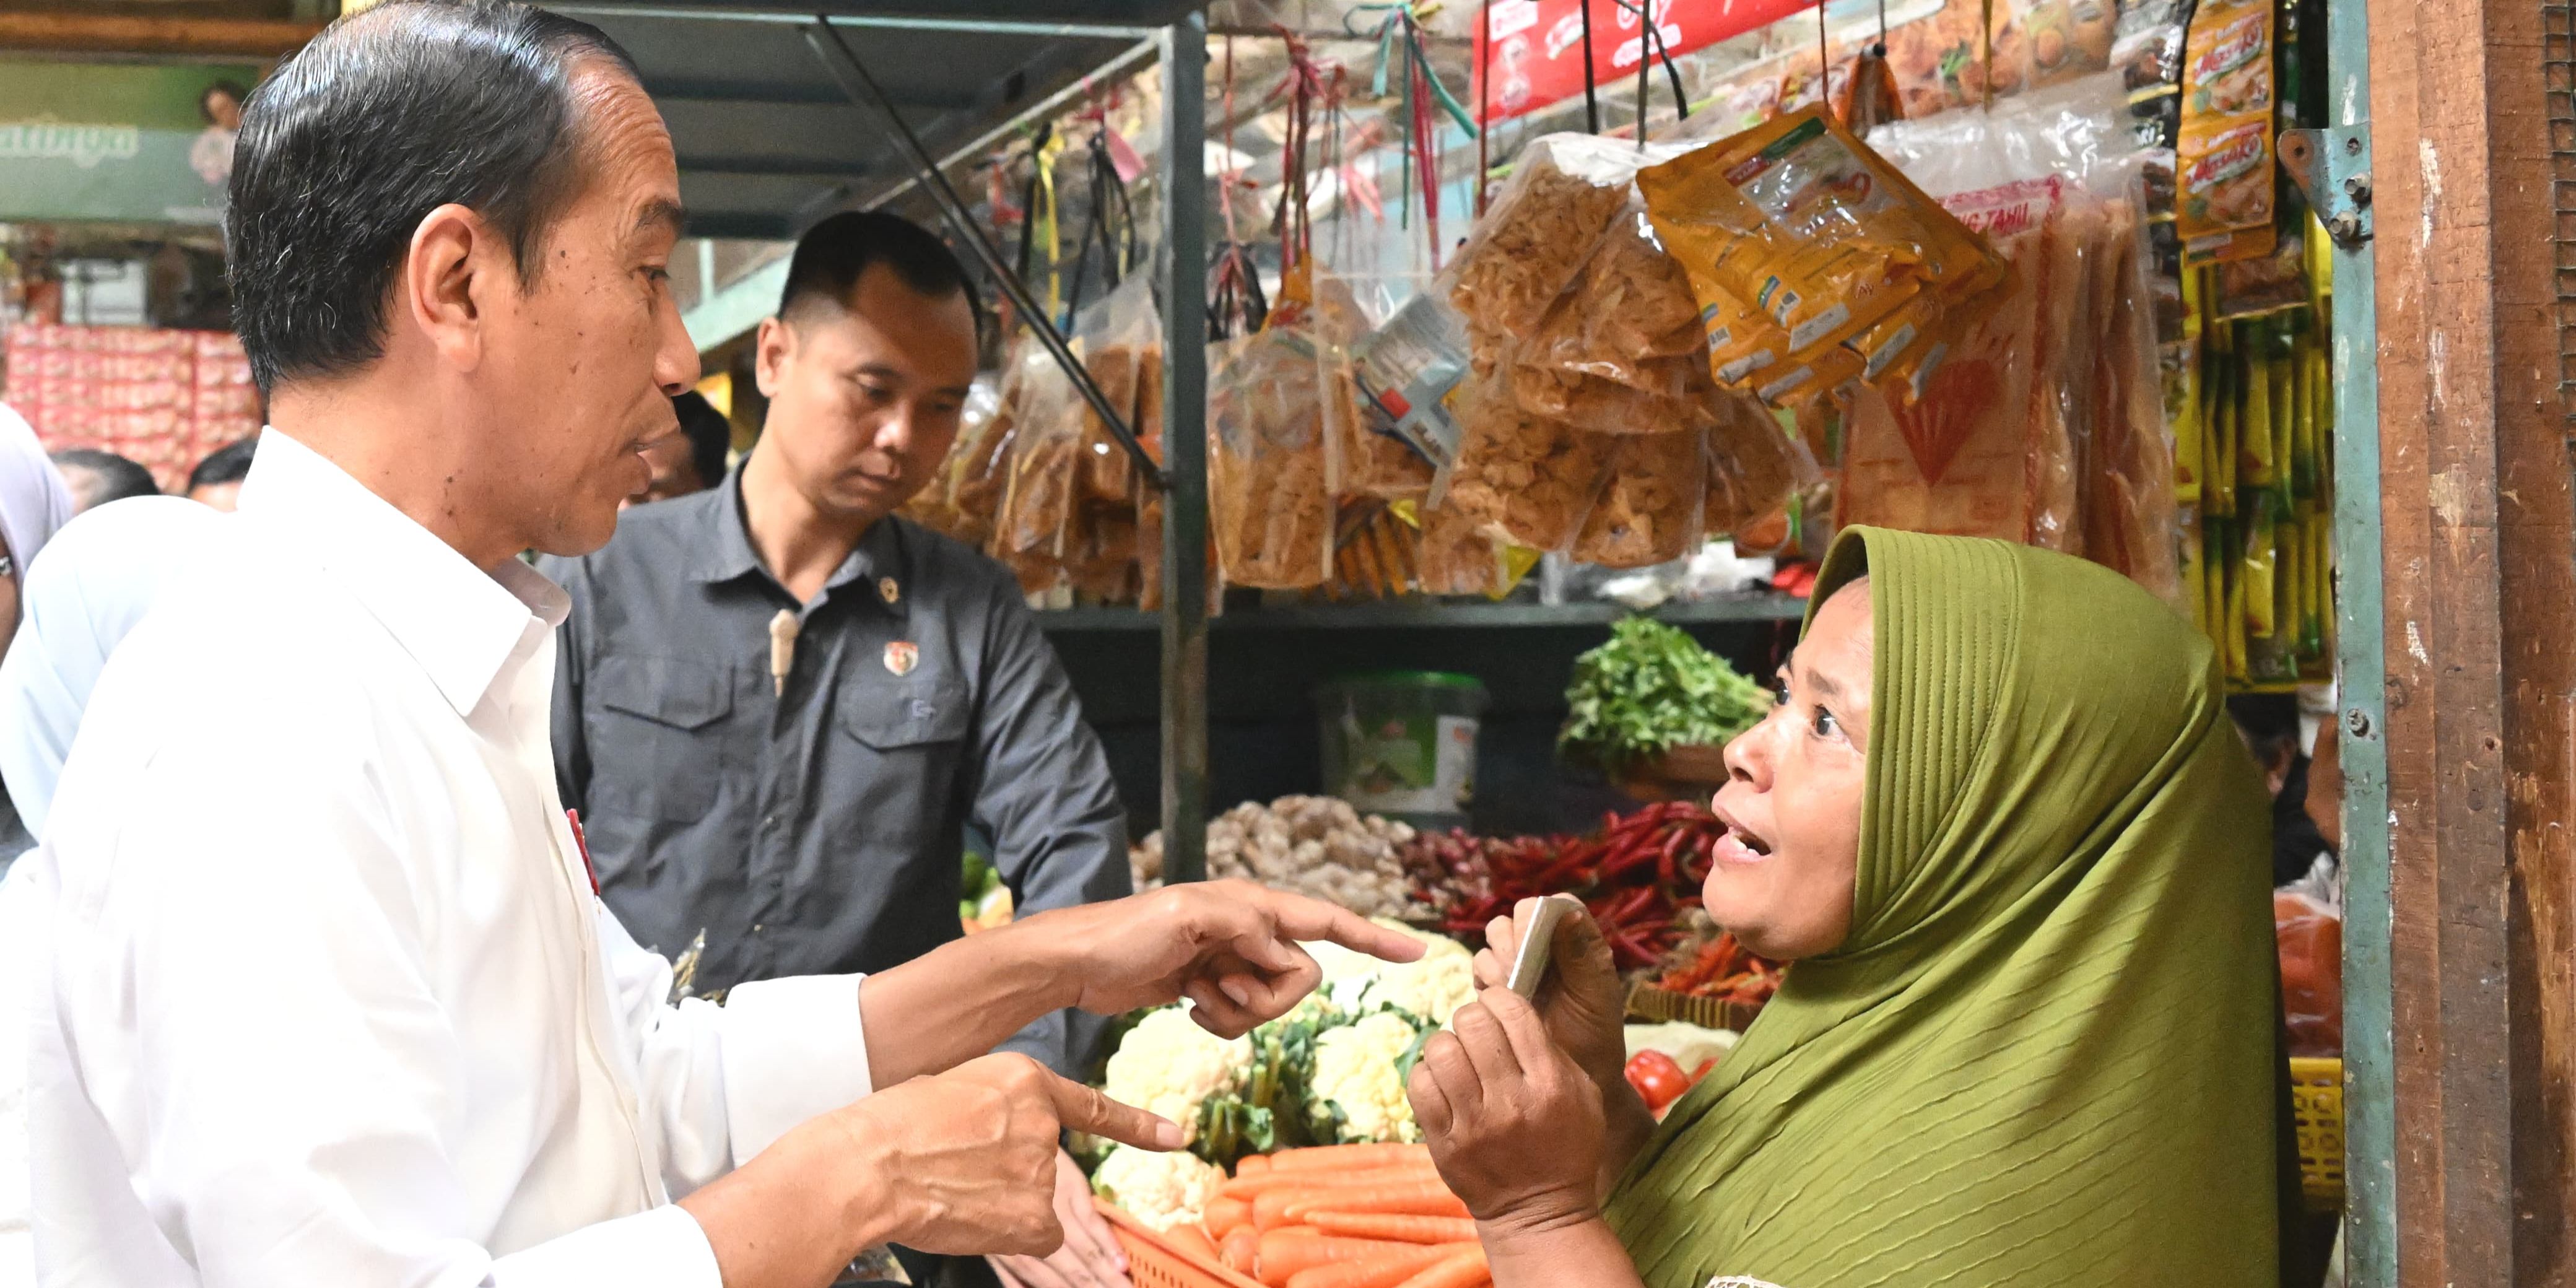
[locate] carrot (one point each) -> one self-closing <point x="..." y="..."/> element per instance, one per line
<point x="1241" y="1249"/>
<point x="1192" y="1240"/>
<point x="1284" y="1252"/>
<point x="1224" y="1214"/>
<point x="1244" y="1187"/>
<point x="1349" y="1157"/>
<point x="1464" y="1269"/>
<point x="1380" y="1270"/>
<point x="1252" y="1165"/>
<point x="1418" y="1197"/>
<point x="1399" y="1226"/>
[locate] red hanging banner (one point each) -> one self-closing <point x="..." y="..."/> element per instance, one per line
<point x="1533" y="49"/>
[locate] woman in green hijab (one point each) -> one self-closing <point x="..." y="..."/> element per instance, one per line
<point x="2001" y="823"/>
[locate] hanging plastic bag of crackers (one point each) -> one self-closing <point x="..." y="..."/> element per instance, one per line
<point x="1527" y="478"/>
<point x="1122" y="346"/>
<point x="1045" y="452"/>
<point x="1269" y="500"/>
<point x="1535" y="234"/>
<point x="1649" y="509"/>
<point x="978" y="474"/>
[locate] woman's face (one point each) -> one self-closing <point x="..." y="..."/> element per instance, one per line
<point x="223" y="111"/>
<point x="1783" y="875"/>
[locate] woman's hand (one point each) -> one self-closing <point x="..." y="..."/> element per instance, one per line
<point x="1581" y="1002"/>
<point x="1515" y="1126"/>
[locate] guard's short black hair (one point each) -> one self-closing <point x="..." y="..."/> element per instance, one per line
<point x="118" y="477"/>
<point x="710" y="435"/>
<point x="227" y="464"/>
<point x="387" y="115"/>
<point x="2269" y="721"/>
<point x="834" y="254"/>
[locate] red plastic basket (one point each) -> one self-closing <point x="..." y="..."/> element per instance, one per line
<point x="1156" y="1262"/>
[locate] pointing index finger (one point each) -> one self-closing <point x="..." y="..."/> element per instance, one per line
<point x="1087" y="1109"/>
<point x="1308" y="920"/>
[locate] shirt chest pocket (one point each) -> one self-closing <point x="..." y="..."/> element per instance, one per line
<point x="907" y="739"/>
<point x="658" y="728"/>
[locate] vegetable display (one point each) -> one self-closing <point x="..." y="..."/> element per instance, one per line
<point x="1339" y="1216"/>
<point x="1310" y="845"/>
<point x="1638" y="875"/>
<point x="1649" y="689"/>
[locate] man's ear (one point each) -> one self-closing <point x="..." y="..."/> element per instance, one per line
<point x="776" y="343"/>
<point x="451" y="271"/>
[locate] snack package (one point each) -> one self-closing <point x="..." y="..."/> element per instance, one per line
<point x="2045" y="422"/>
<point x="1410" y="370"/>
<point x="1528" y="479"/>
<point x="1604" y="406"/>
<point x="978" y="475"/>
<point x="1562" y="195"/>
<point x="1120" y="339"/>
<point x="1269" y="501"/>
<point x="1650" y="503"/>
<point x="2223" y="170"/>
<point x="1630" y="304"/>
<point x="1752" y="466"/>
<point x="1046" y="448"/>
<point x="2226" y="190"/>
<point x="1375" y="554"/>
<point x="1371" y="458"/>
<point x="1459" y="556"/>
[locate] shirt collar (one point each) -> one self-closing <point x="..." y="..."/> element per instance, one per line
<point x="458" y="622"/>
<point x="724" y="551"/>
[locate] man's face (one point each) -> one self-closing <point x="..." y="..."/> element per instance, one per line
<point x="583" y="363"/>
<point x="864" y="400"/>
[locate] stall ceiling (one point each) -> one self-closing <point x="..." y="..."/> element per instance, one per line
<point x="768" y="143"/>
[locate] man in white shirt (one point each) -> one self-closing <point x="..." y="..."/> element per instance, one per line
<point x="328" y="995"/>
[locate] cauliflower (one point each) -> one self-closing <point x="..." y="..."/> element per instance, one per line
<point x="1161" y="1190"/>
<point x="1169" y="1065"/>
<point x="1433" y="988"/>
<point x="1358" y="1071"/>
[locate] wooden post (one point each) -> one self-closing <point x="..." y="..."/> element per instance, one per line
<point x="2479" y="559"/>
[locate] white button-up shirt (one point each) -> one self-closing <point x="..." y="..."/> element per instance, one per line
<point x="330" y="998"/>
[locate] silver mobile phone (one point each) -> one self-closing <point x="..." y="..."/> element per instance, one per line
<point x="1529" y="961"/>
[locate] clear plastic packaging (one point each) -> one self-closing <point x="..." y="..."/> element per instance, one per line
<point x="1121" y="340"/>
<point x="1649" y="508"/>
<point x="1270" y="502"/>
<point x="1459" y="556"/>
<point x="1371" y="459"/>
<point x="1529" y="479"/>
<point x="979" y="472"/>
<point x="1563" y="193"/>
<point x="1046" y="447"/>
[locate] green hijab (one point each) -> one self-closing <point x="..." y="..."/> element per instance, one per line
<point x="2044" y="1056"/>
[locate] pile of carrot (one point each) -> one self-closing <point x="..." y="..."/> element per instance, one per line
<point x="1344" y="1216"/>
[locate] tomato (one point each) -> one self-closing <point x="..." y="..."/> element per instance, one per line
<point x="1657" y="1078"/>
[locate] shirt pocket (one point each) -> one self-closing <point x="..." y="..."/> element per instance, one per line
<point x="657" y="727"/>
<point x="909" y="739"/>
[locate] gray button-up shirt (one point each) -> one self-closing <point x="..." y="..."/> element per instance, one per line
<point x="820" y="831"/>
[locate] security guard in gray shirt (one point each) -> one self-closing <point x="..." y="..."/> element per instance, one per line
<point x="779" y="704"/>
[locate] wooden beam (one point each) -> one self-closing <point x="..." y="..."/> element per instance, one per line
<point x="113" y="34"/>
<point x="2479" y="554"/>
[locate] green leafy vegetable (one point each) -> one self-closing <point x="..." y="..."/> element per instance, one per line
<point x="1652" y="688"/>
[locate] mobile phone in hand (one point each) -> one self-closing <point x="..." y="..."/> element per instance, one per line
<point x="1530" y="960"/>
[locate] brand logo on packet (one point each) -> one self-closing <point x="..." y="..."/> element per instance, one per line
<point x="2231" y="154"/>
<point x="901" y="656"/>
<point x="2233" y="46"/>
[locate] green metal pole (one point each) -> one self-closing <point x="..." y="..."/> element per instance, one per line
<point x="1185" y="519"/>
<point x="2370" y="1089"/>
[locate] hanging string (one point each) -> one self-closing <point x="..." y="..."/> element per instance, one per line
<point x="1484" y="102"/>
<point x="1655" y="51"/>
<point x="1825" y="58"/>
<point x="1986" y="60"/>
<point x="1591" y="99"/>
<point x="1301" y="87"/>
<point x="1879" y="50"/>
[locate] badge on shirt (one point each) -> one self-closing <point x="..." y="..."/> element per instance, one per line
<point x="901" y="656"/>
<point x="888" y="590"/>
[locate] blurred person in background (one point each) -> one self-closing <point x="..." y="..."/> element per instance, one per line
<point x="211" y="156"/>
<point x="217" y="480"/>
<point x="98" y="477"/>
<point x="2273" y="730"/>
<point x="34" y="503"/>
<point x="98" y="578"/>
<point x="814" y="821"/>
<point x="692" y="460"/>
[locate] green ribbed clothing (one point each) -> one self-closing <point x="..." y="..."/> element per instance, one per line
<point x="2044" y="1057"/>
